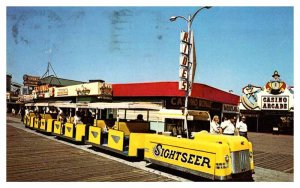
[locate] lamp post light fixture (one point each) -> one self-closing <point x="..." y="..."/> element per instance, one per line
<point x="189" y="21"/>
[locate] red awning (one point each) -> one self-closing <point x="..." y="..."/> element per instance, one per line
<point x="170" y="89"/>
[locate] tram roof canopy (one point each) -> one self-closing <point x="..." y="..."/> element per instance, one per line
<point x="127" y="105"/>
<point x="102" y="105"/>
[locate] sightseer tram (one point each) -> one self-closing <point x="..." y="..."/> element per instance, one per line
<point x="148" y="131"/>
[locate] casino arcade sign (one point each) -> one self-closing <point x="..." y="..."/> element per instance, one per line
<point x="275" y="103"/>
<point x="275" y="95"/>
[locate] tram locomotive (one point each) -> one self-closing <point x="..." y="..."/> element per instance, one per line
<point x="194" y="151"/>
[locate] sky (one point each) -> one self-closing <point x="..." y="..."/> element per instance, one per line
<point x="235" y="46"/>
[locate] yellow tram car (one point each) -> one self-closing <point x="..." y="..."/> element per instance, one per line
<point x="194" y="150"/>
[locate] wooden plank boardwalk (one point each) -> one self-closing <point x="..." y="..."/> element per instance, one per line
<point x="275" y="152"/>
<point x="34" y="158"/>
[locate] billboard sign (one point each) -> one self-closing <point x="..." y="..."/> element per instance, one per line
<point x="30" y="80"/>
<point x="101" y="90"/>
<point x="269" y="102"/>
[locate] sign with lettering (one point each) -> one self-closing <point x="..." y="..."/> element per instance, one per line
<point x="184" y="37"/>
<point x="25" y="98"/>
<point x="30" y="80"/>
<point x="183" y="72"/>
<point x="41" y="91"/>
<point x="183" y="85"/>
<point x="275" y="96"/>
<point x="184" y="49"/>
<point x="193" y="103"/>
<point x="175" y="153"/>
<point x="101" y="90"/>
<point x="187" y="61"/>
<point x="105" y="91"/>
<point x="183" y="60"/>
<point x="227" y="108"/>
<point x="183" y="157"/>
<point x="61" y="92"/>
<point x="275" y="102"/>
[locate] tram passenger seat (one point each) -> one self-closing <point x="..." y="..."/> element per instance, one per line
<point x="101" y="124"/>
<point x="134" y="127"/>
<point x="47" y="116"/>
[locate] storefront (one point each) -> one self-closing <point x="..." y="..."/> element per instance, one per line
<point x="269" y="108"/>
<point x="167" y="94"/>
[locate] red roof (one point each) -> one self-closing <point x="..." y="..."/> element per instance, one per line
<point x="170" y="89"/>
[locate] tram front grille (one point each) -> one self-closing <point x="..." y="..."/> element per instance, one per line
<point x="240" y="161"/>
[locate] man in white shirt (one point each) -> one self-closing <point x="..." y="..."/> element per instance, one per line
<point x="242" y="127"/>
<point x="228" y="126"/>
<point x="214" y="125"/>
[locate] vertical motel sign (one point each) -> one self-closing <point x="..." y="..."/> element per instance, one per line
<point x="186" y="66"/>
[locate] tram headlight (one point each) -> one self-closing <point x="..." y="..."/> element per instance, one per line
<point x="226" y="158"/>
<point x="251" y="154"/>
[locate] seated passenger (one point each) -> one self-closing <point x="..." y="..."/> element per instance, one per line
<point x="110" y="122"/>
<point x="62" y="118"/>
<point x="77" y="118"/>
<point x="139" y="117"/>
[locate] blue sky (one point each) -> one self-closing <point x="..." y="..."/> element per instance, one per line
<point x="235" y="46"/>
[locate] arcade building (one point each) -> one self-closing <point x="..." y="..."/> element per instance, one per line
<point x="269" y="108"/>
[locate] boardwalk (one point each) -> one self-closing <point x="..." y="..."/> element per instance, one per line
<point x="33" y="158"/>
<point x="275" y="152"/>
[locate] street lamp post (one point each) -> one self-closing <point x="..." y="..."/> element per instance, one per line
<point x="188" y="90"/>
